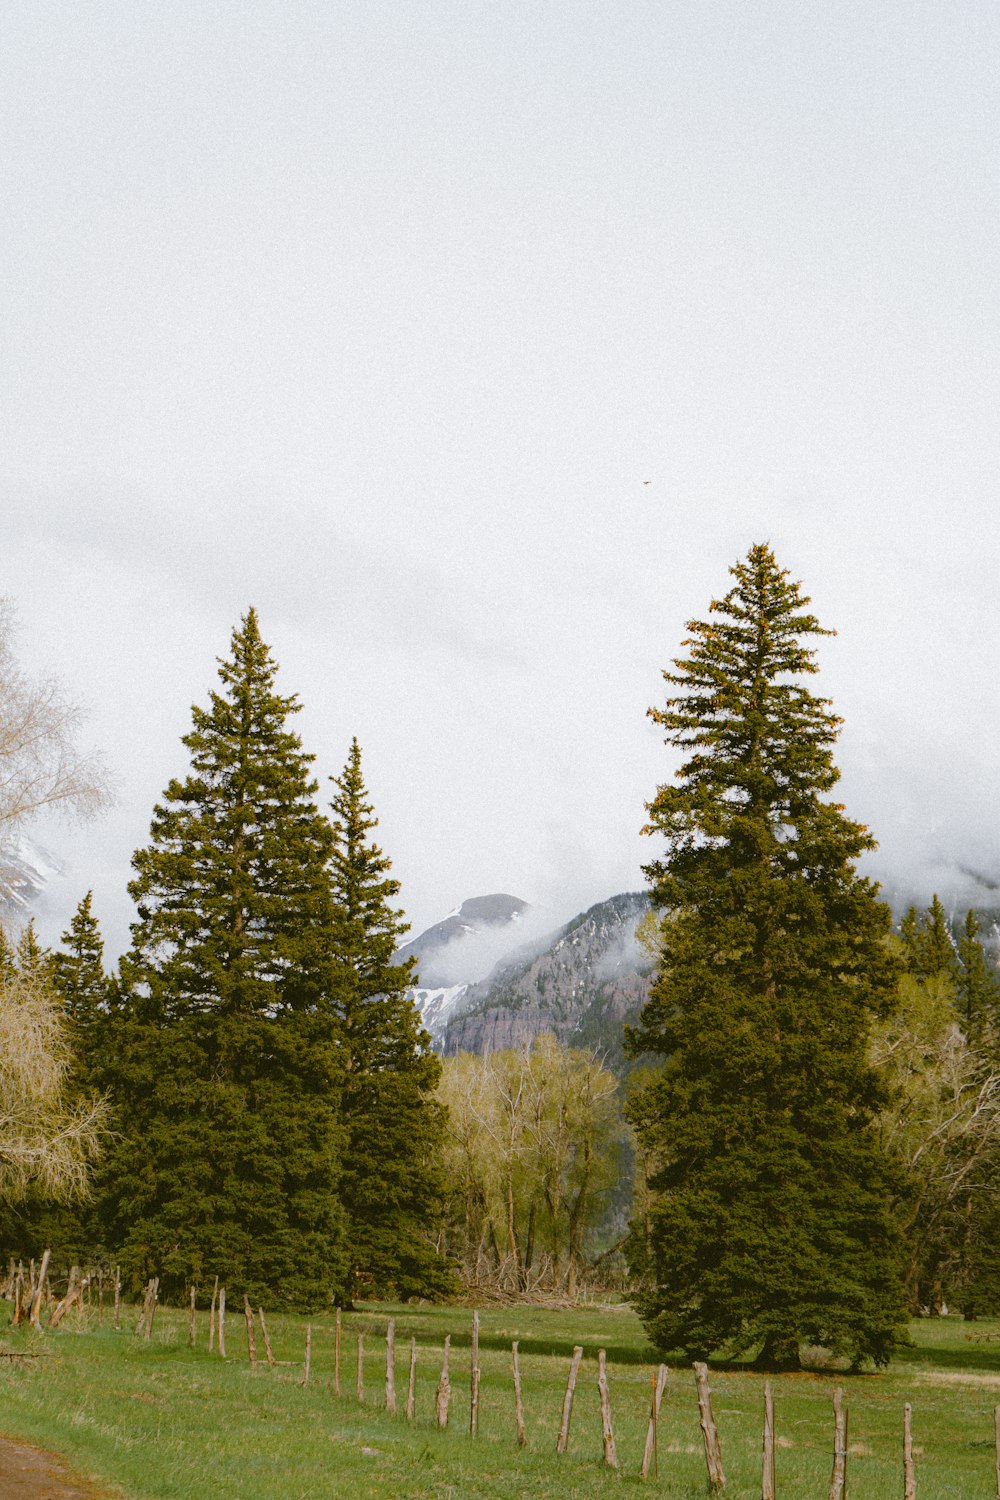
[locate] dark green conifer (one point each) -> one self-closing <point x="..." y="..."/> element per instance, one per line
<point x="78" y="975"/>
<point x="227" y="1094"/>
<point x="770" y="1227"/>
<point x="977" y="985"/>
<point x="391" y="1184"/>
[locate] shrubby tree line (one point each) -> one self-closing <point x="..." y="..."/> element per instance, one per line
<point x="813" y="1114"/>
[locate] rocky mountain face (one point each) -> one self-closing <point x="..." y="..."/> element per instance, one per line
<point x="25" y="870"/>
<point x="456" y="952"/>
<point x="583" y="984"/>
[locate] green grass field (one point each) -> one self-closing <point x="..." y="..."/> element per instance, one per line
<point x="162" y="1420"/>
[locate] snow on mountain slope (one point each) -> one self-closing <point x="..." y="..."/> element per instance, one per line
<point x="25" y="871"/>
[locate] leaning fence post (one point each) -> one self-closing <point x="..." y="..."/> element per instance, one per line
<point x="767" y="1468"/>
<point x="710" y="1433"/>
<point x="518" y="1401"/>
<point x="443" y="1395"/>
<point x="649" y="1456"/>
<point x="267" y="1341"/>
<point x="562" y="1441"/>
<point x="607" y="1436"/>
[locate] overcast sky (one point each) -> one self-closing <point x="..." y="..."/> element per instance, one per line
<point x="471" y="343"/>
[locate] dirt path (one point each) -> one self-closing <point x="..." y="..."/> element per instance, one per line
<point x="28" y="1473"/>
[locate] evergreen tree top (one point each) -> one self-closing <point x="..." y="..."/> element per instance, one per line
<point x="761" y="743"/>
<point x="232" y="889"/>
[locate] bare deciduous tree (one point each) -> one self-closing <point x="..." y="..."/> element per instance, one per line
<point x="40" y="764"/>
<point x="532" y="1143"/>
<point x="47" y="1136"/>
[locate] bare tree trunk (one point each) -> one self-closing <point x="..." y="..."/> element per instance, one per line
<point x="251" y="1341"/>
<point x="607" y="1436"/>
<point x="710" y="1433"/>
<point x="649" y="1455"/>
<point x="443" y="1395"/>
<point x="562" y="1441"/>
<point x="518" y="1401"/>
<point x="767" y="1459"/>
<point x="390" y="1367"/>
<point x="411" y="1389"/>
<point x="267" y="1341"/>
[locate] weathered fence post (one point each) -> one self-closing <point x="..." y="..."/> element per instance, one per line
<point x="100" y="1296"/>
<point x="118" y="1296"/>
<point x="308" y="1359"/>
<point x="36" y="1301"/>
<point x="62" y="1307"/>
<point x="267" y="1341"/>
<point x="141" y="1320"/>
<point x="474" y="1380"/>
<point x="709" y="1431"/>
<point x="390" y="1366"/>
<point x="150" y="1307"/>
<point x="361" y="1367"/>
<point x="649" y="1456"/>
<point x="607" y="1436"/>
<point x="838" y="1479"/>
<point x="222" y="1322"/>
<point x="518" y="1402"/>
<point x="251" y="1341"/>
<point x="562" y="1441"/>
<point x="411" y="1389"/>
<point x="193" y="1320"/>
<point x="211" y="1316"/>
<point x="767" y="1466"/>
<point x="909" y="1473"/>
<point x="443" y="1395"/>
<point x="336" y="1357"/>
<point x="996" y="1430"/>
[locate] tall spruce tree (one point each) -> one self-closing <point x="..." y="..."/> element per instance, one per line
<point x="228" y="1082"/>
<point x="770" y="1225"/>
<point x="391" y="1185"/>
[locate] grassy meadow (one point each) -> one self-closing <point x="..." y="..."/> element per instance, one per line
<point x="161" y="1420"/>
